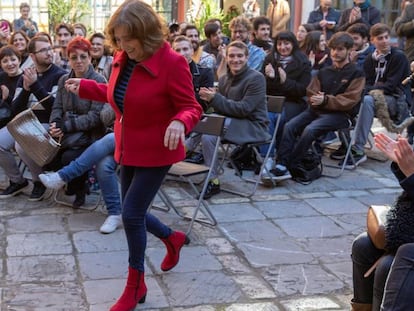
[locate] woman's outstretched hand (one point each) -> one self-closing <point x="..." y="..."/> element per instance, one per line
<point x="174" y="133"/>
<point x="72" y="85"/>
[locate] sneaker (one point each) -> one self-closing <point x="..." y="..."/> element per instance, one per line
<point x="194" y="157"/>
<point x="38" y="191"/>
<point x="339" y="154"/>
<point x="279" y="170"/>
<point x="52" y="180"/>
<point x="13" y="189"/>
<point x="212" y="189"/>
<point x="359" y="157"/>
<point x="266" y="174"/>
<point x="329" y="138"/>
<point x="112" y="222"/>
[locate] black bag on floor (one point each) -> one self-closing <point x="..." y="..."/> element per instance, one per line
<point x="244" y="158"/>
<point x="308" y="169"/>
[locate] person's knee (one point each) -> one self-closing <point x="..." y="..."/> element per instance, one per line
<point x="360" y="245"/>
<point x="106" y="166"/>
<point x="406" y="251"/>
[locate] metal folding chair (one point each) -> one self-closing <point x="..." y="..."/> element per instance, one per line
<point x="210" y="124"/>
<point x="274" y="104"/>
<point x="347" y="136"/>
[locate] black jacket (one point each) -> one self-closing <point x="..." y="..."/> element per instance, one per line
<point x="298" y="76"/>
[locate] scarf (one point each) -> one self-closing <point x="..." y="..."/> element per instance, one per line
<point x="365" y="5"/>
<point x="381" y="64"/>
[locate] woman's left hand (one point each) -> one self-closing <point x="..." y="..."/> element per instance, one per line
<point x="173" y="134"/>
<point x="282" y="75"/>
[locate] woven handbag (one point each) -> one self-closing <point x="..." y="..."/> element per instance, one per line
<point x="30" y="134"/>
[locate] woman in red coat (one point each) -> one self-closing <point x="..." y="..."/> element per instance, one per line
<point x="151" y="91"/>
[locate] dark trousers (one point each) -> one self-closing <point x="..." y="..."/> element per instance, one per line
<point x="398" y="295"/>
<point x="369" y="290"/>
<point x="301" y="131"/>
<point x="139" y="185"/>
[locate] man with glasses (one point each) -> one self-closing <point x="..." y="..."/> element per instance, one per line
<point x="241" y="29"/>
<point x="37" y="83"/>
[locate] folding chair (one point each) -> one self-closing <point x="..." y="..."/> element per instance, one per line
<point x="274" y="104"/>
<point x="347" y="136"/>
<point x="210" y="124"/>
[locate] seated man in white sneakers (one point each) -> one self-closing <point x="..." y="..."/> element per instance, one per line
<point x="332" y="95"/>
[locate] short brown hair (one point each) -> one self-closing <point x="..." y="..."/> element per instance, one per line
<point x="182" y="38"/>
<point x="240" y="21"/>
<point x="32" y="43"/>
<point x="240" y="45"/>
<point x="68" y="27"/>
<point x="142" y="23"/>
<point x="379" y="29"/>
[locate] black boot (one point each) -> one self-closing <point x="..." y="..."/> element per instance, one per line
<point x="80" y="195"/>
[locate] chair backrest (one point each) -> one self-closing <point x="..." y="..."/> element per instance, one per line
<point x="211" y="124"/>
<point x="275" y="103"/>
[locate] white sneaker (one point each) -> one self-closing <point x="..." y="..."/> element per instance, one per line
<point x="112" y="222"/>
<point x="266" y="169"/>
<point x="52" y="180"/>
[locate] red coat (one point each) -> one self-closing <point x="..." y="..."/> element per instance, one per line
<point x="160" y="90"/>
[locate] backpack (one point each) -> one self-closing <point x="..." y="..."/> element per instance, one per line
<point x="244" y="158"/>
<point x="308" y="169"/>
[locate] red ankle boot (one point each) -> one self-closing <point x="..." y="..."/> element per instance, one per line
<point x="135" y="292"/>
<point x="174" y="242"/>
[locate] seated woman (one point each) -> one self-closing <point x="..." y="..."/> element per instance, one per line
<point x="73" y="120"/>
<point x="303" y="30"/>
<point x="241" y="97"/>
<point x="288" y="73"/>
<point x="11" y="72"/>
<point x="21" y="41"/>
<point x="101" y="55"/>
<point x="369" y="287"/>
<point x="315" y="47"/>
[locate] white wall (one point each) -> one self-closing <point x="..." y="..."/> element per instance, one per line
<point x="307" y="7"/>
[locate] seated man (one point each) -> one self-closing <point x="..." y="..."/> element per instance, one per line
<point x="332" y="95"/>
<point x="385" y="69"/>
<point x="242" y="98"/>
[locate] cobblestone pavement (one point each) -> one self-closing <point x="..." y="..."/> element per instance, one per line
<point x="286" y="248"/>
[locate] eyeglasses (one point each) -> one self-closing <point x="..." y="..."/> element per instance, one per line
<point x="43" y="51"/>
<point x="239" y="31"/>
<point x="74" y="58"/>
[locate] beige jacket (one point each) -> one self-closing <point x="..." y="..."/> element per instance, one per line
<point x="279" y="15"/>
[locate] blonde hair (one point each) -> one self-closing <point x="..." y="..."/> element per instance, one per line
<point x="141" y="22"/>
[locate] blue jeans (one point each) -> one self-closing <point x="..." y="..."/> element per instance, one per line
<point x="139" y="185"/>
<point x="300" y="132"/>
<point x="99" y="153"/>
<point x="272" y="125"/>
<point x="369" y="290"/>
<point x="398" y="295"/>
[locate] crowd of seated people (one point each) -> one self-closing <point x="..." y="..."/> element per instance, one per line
<point x="348" y="54"/>
<point x="283" y="61"/>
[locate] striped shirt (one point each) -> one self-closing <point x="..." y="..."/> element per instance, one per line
<point x="122" y="84"/>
